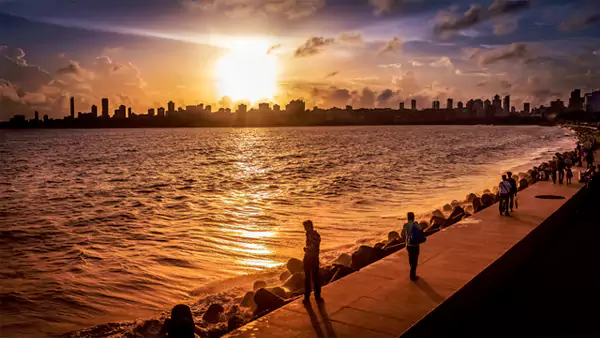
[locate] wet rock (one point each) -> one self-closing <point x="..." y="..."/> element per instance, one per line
<point x="344" y="259"/>
<point x="364" y="256"/>
<point x="477" y="205"/>
<point x="471" y="197"/>
<point x="469" y="209"/>
<point x="438" y="213"/>
<point x="267" y="301"/>
<point x="294" y="265"/>
<point x="393" y="235"/>
<point x="447" y="207"/>
<point x="340" y="272"/>
<point x="284" y="276"/>
<point x="436" y="222"/>
<point x="487" y="191"/>
<point x="217" y="331"/>
<point x="423" y="225"/>
<point x="248" y="300"/>
<point x="213" y="313"/>
<point x="295" y="282"/>
<point x="379" y="245"/>
<point x="279" y="291"/>
<point x="457" y="214"/>
<point x="487" y="200"/>
<point x="455" y="203"/>
<point x="259" y="284"/>
<point x="234" y="322"/>
<point x="326" y="274"/>
<point x="523" y="184"/>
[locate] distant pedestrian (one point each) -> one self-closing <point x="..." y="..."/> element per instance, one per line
<point x="513" y="190"/>
<point x="311" y="262"/>
<point x="560" y="166"/>
<point x="504" y="189"/>
<point x="553" y="171"/>
<point x="569" y="175"/>
<point x="413" y="237"/>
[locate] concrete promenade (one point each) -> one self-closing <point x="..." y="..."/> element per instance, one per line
<point x="457" y="266"/>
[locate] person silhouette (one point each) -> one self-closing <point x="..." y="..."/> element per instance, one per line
<point x="311" y="262"/>
<point x="180" y="325"/>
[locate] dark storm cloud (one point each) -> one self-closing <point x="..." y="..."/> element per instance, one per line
<point x="476" y="14"/>
<point x="384" y="97"/>
<point x="313" y="46"/>
<point x="580" y="21"/>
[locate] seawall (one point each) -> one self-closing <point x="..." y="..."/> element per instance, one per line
<point x="458" y="266"/>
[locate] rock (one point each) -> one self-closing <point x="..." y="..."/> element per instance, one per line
<point x="279" y="291"/>
<point x="294" y="265"/>
<point x="495" y="189"/>
<point x="213" y="313"/>
<point x="423" y="225"/>
<point x="471" y="197"/>
<point x="218" y="331"/>
<point x="393" y="235"/>
<point x="234" y="322"/>
<point x="295" y="282"/>
<point x="436" y="222"/>
<point x="487" y="191"/>
<point x="340" y="272"/>
<point x="364" y="256"/>
<point x="477" y="204"/>
<point x="248" y="300"/>
<point x="267" y="301"/>
<point x="487" y="200"/>
<point x="457" y="214"/>
<point x="379" y="245"/>
<point x="396" y="246"/>
<point x="438" y="213"/>
<point x="447" y="207"/>
<point x="284" y="276"/>
<point x="259" y="284"/>
<point x="523" y="184"/>
<point x="326" y="273"/>
<point x="455" y="203"/>
<point x="344" y="259"/>
<point x="470" y="209"/>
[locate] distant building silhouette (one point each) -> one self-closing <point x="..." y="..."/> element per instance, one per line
<point x="36" y="116"/>
<point x="460" y="105"/>
<point x="129" y="112"/>
<point x="276" y="108"/>
<point x="263" y="107"/>
<point x="208" y="109"/>
<point x="450" y="104"/>
<point x="46" y="118"/>
<point x="161" y="112"/>
<point x="72" y="106"/>
<point x="576" y="102"/>
<point x="506" y="105"/>
<point x="413" y="105"/>
<point x="527" y="108"/>
<point x="592" y="102"/>
<point x="496" y="105"/>
<point x="151" y="112"/>
<point x="105" y="113"/>
<point x="170" y="107"/>
<point x="94" y="111"/>
<point x="242" y="109"/>
<point x="401" y="105"/>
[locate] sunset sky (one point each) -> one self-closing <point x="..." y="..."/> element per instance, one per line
<point x="367" y="53"/>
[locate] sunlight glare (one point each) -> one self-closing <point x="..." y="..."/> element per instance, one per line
<point x="247" y="72"/>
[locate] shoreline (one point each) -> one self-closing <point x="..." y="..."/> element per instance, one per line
<point x="238" y="311"/>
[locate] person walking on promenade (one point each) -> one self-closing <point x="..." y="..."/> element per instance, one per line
<point x="560" y="165"/>
<point x="311" y="262"/>
<point x="569" y="175"/>
<point x="513" y="190"/>
<point x="553" y="170"/>
<point x="504" y="189"/>
<point x="413" y="237"/>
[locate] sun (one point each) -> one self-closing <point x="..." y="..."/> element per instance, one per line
<point x="247" y="72"/>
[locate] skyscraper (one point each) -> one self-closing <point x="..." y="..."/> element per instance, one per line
<point x="94" y="111"/>
<point x="401" y="105"/>
<point x="413" y="105"/>
<point x="105" y="108"/>
<point x="161" y="112"/>
<point x="264" y="106"/>
<point x="497" y="104"/>
<point x="170" y="107"/>
<point x="36" y="116"/>
<point x="460" y="105"/>
<point x="129" y="112"/>
<point x="527" y="107"/>
<point x="72" y="107"/>
<point x="506" y="104"/>
<point x="242" y="109"/>
<point x="450" y="104"/>
<point x="276" y="108"/>
<point x="576" y="101"/>
<point x="151" y="112"/>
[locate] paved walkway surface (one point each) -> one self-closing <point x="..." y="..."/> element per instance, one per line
<point x="381" y="301"/>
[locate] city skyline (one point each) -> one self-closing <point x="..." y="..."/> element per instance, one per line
<point x="364" y="53"/>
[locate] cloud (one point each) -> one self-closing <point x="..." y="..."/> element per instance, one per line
<point x="381" y="6"/>
<point x="15" y="69"/>
<point x="512" y="51"/>
<point x="505" y="27"/>
<point x="384" y="97"/>
<point x="351" y="37"/>
<point x="416" y="63"/>
<point x="579" y="22"/>
<point x="449" y="23"/>
<point x="394" y="44"/>
<point x="332" y="74"/>
<point x="313" y="46"/>
<point x="291" y="9"/>
<point x="273" y="48"/>
<point x="391" y="65"/>
<point x="443" y="61"/>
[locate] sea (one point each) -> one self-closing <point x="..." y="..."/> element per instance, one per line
<point x="117" y="225"/>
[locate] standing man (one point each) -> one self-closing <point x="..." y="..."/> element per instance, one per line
<point x="504" y="189"/>
<point x="311" y="262"/>
<point x="413" y="237"/>
<point x="513" y="190"/>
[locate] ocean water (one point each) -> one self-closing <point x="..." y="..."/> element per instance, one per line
<point x="100" y="226"/>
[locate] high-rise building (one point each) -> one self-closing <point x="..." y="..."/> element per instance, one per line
<point x="349" y="108"/>
<point x="161" y="112"/>
<point x="242" y="109"/>
<point x="506" y="104"/>
<point x="592" y="102"/>
<point x="94" y="111"/>
<point x="413" y="105"/>
<point x="151" y="112"/>
<point x="208" y="109"/>
<point x="170" y="107"/>
<point x="36" y="116"/>
<point x="45" y="118"/>
<point x="72" y="107"/>
<point x="576" y="101"/>
<point x="450" y="104"/>
<point x="460" y="105"/>
<point x="105" y="108"/>
<point x="264" y="106"/>
<point x="276" y="108"/>
<point x="129" y="112"/>
<point x="401" y="105"/>
<point x="497" y="105"/>
<point x="527" y="107"/>
<point x="121" y="112"/>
